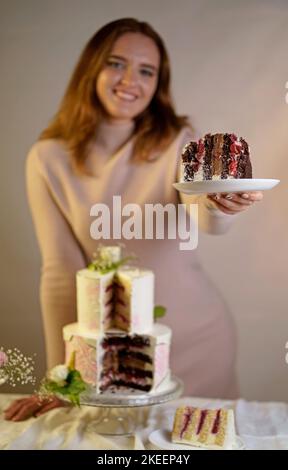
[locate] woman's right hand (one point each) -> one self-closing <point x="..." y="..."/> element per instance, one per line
<point x="25" y="408"/>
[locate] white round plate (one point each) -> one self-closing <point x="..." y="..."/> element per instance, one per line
<point x="161" y="438"/>
<point x="225" y="186"/>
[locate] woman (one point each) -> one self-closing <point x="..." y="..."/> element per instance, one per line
<point x="116" y="133"/>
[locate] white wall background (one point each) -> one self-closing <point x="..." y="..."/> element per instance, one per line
<point x="230" y="67"/>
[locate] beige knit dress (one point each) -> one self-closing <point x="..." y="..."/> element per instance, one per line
<point x="203" y="351"/>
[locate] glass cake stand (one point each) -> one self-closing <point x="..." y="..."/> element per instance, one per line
<point x="117" y="409"/>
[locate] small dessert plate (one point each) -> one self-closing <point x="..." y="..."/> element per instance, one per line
<point x="161" y="438"/>
<point x="225" y="186"/>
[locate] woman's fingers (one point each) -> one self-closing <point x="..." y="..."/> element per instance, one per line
<point x="230" y="206"/>
<point x="254" y="196"/>
<point x="236" y="198"/>
<point x="228" y="209"/>
<point x="233" y="203"/>
<point x="240" y="200"/>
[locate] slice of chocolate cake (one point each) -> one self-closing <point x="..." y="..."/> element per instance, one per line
<point x="216" y="157"/>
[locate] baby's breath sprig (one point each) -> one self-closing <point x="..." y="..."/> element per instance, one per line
<point x="16" y="368"/>
<point x="103" y="261"/>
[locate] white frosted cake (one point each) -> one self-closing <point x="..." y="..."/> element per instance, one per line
<point x="210" y="429"/>
<point x="94" y="298"/>
<point x="115" y="340"/>
<point x="119" y="299"/>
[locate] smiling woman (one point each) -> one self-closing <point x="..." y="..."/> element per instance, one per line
<point x="117" y="133"/>
<point x="129" y="78"/>
<point x="122" y="77"/>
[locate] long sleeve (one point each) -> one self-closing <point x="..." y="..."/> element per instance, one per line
<point x="210" y="219"/>
<point x="61" y="258"/>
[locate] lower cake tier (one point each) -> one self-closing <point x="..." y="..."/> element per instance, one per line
<point x="119" y="359"/>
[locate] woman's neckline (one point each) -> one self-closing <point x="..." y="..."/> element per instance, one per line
<point x="112" y="135"/>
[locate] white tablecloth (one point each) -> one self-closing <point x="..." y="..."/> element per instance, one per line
<point x="260" y="426"/>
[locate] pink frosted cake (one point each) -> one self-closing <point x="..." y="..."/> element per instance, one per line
<point x="216" y="157"/>
<point x="210" y="429"/>
<point x="115" y="340"/>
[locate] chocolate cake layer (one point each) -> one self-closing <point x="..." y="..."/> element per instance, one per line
<point x="207" y="165"/>
<point x="245" y="166"/>
<point x="144" y="388"/>
<point x="226" y="159"/>
<point x="137" y="384"/>
<point x="135" y="340"/>
<point x="130" y="372"/>
<point x="135" y="355"/>
<point x="135" y="372"/>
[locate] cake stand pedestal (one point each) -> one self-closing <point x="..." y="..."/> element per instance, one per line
<point x="121" y="411"/>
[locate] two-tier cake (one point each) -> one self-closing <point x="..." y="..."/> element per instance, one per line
<point x="115" y="341"/>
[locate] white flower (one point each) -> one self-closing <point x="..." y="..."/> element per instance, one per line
<point x="3" y="358"/>
<point x="110" y="254"/>
<point x="3" y="378"/>
<point x="59" y="374"/>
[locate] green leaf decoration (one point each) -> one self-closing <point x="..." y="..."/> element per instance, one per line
<point x="72" y="387"/>
<point x="159" y="311"/>
<point x="104" y="266"/>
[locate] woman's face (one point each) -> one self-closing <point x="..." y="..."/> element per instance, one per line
<point x="128" y="80"/>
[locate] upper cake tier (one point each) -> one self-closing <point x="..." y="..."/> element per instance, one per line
<point x="216" y="157"/>
<point x="121" y="298"/>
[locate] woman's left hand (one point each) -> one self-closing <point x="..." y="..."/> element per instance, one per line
<point x="233" y="203"/>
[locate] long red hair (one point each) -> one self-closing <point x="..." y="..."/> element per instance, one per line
<point x="80" y="111"/>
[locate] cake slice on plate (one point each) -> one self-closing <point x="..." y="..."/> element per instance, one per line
<point x="216" y="157"/>
<point x="210" y="429"/>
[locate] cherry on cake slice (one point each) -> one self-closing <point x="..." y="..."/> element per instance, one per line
<point x="216" y="157"/>
<point x="210" y="429"/>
